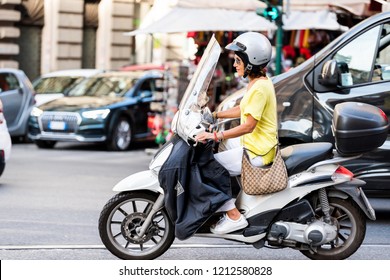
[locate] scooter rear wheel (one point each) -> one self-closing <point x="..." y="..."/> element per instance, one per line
<point x="351" y="231"/>
<point x="123" y="215"/>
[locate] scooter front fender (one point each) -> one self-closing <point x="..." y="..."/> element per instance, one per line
<point x="144" y="180"/>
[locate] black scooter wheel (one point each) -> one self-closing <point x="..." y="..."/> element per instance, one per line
<point x="351" y="231"/>
<point x="123" y="215"/>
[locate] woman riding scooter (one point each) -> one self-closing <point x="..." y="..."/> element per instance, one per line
<point x="257" y="131"/>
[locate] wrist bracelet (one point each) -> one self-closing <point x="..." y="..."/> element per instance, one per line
<point x="215" y="115"/>
<point x="215" y="137"/>
<point x="223" y="136"/>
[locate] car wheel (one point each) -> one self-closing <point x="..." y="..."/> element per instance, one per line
<point x="45" y="144"/>
<point x="121" y="136"/>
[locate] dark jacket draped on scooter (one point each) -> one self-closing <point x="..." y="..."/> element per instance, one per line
<point x="195" y="186"/>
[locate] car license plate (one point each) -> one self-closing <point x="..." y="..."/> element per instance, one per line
<point x="56" y="125"/>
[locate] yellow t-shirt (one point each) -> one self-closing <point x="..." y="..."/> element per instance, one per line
<point x="260" y="102"/>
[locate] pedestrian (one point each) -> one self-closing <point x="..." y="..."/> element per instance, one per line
<point x="257" y="131"/>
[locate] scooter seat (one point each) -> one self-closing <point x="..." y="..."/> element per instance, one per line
<point x="299" y="157"/>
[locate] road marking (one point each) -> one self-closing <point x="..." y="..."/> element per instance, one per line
<point x="179" y="246"/>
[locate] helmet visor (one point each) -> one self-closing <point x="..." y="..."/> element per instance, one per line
<point x="236" y="46"/>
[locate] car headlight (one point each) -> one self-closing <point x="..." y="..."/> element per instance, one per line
<point x="36" y="112"/>
<point x="96" y="114"/>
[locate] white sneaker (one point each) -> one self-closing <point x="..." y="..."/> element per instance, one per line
<point x="226" y="225"/>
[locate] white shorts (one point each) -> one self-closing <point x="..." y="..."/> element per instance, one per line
<point x="230" y="156"/>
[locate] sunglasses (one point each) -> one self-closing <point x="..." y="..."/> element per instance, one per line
<point x="237" y="60"/>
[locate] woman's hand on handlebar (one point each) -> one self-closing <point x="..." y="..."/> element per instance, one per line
<point x="204" y="136"/>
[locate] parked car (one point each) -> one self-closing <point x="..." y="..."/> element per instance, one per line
<point x="56" y="84"/>
<point x="5" y="141"/>
<point x="112" y="108"/>
<point x="354" y="67"/>
<point x="17" y="95"/>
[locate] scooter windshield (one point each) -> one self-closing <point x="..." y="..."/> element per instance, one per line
<point x="195" y="97"/>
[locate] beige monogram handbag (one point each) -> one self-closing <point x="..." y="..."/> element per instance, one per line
<point x="265" y="179"/>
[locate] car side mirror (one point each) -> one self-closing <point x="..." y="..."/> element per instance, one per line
<point x="335" y="74"/>
<point x="386" y="73"/>
<point x="146" y="94"/>
<point x="329" y="74"/>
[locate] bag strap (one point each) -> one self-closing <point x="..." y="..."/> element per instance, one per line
<point x="277" y="144"/>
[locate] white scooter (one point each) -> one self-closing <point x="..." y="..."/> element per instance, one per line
<point x="322" y="213"/>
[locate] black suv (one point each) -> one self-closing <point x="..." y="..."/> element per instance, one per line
<point x="111" y="107"/>
<point x="354" y="67"/>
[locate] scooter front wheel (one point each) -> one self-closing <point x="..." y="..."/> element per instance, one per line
<point x="123" y="215"/>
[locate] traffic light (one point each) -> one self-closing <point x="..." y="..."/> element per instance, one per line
<point x="271" y="12"/>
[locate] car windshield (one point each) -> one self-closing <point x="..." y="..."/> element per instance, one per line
<point x="103" y="86"/>
<point x="56" y="84"/>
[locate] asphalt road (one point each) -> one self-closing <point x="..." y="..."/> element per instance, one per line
<point x="50" y="201"/>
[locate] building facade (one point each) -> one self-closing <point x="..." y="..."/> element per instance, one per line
<point x="40" y="36"/>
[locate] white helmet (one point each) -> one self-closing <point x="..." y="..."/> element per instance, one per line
<point x="255" y="46"/>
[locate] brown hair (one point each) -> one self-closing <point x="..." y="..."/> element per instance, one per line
<point x="257" y="71"/>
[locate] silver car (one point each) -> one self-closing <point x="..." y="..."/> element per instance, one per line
<point x="17" y="96"/>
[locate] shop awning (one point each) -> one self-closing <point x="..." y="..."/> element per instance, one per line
<point x="299" y="20"/>
<point x="174" y="16"/>
<point x="356" y="7"/>
<point x="212" y="15"/>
